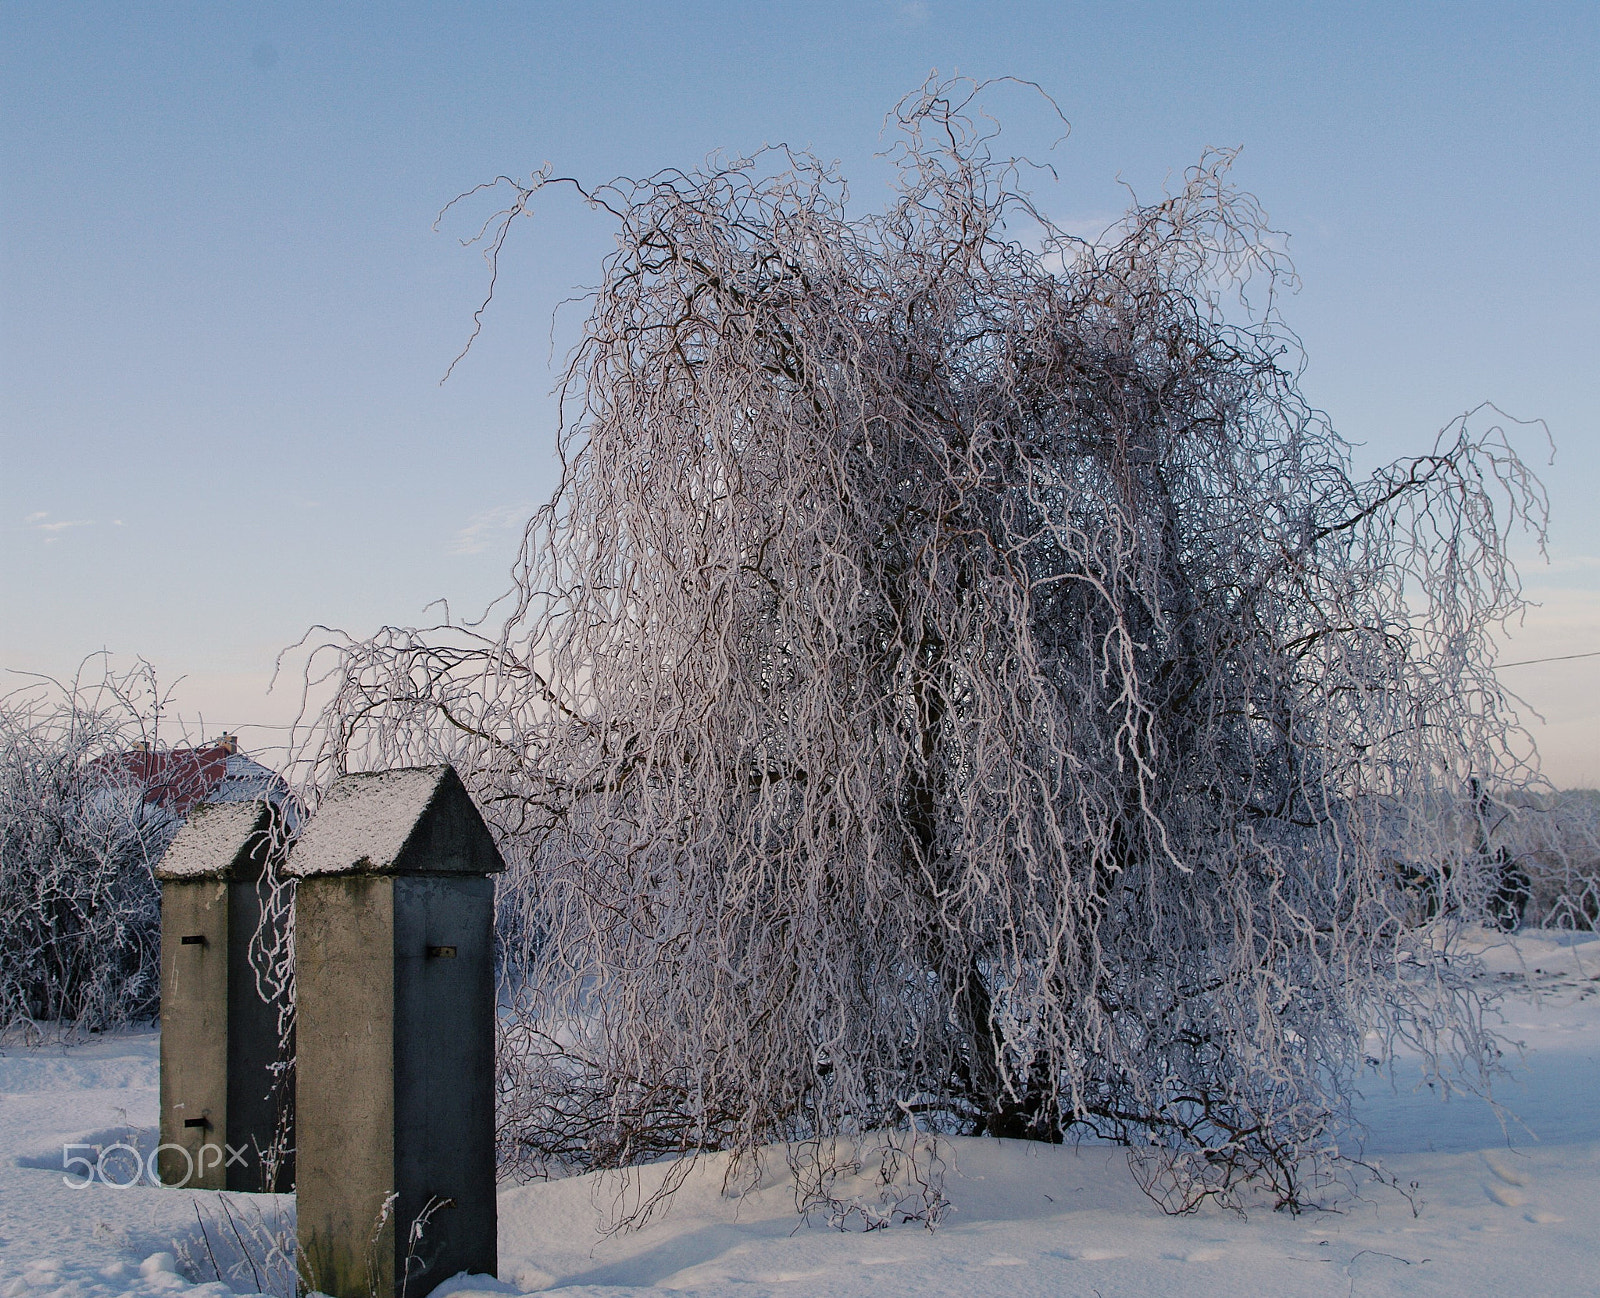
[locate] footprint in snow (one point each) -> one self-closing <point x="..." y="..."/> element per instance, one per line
<point x="784" y="1277"/>
<point x="1506" y="1188"/>
<point x="1504" y="1195"/>
<point x="1501" y="1166"/>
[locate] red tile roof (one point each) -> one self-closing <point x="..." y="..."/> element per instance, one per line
<point x="178" y="778"/>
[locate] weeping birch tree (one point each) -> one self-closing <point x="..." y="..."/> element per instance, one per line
<point x="960" y="685"/>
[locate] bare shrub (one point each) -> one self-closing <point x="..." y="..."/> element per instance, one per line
<point x="960" y="683"/>
<point x="80" y="942"/>
<point x="245" y="1241"/>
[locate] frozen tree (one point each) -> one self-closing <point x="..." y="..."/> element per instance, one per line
<point x="1548" y="845"/>
<point x="80" y="943"/>
<point x="960" y="685"/>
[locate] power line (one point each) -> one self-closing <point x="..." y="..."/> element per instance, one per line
<point x="1559" y="658"/>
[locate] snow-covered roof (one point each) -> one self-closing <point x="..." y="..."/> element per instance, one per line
<point x="214" y="839"/>
<point x="244" y="780"/>
<point x="415" y="819"/>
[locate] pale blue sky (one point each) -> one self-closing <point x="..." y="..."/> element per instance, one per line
<point x="223" y="313"/>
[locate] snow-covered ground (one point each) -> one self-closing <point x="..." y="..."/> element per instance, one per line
<point x="1484" y="1210"/>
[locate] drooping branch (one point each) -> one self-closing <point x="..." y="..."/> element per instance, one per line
<point x="964" y="678"/>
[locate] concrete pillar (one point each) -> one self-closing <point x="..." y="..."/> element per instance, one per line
<point x="394" y="943"/>
<point x="224" y="1104"/>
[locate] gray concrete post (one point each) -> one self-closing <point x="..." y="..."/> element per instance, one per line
<point x="224" y="1103"/>
<point x="394" y="938"/>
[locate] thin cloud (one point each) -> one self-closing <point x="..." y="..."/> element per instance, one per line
<point x="488" y="529"/>
<point x="1569" y="563"/>
<point x="53" y="529"/>
<point x="1096" y="230"/>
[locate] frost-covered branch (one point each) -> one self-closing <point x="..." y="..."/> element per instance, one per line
<point x="80" y="942"/>
<point x="963" y="677"/>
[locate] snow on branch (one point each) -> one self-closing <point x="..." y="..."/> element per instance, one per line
<point x="960" y="682"/>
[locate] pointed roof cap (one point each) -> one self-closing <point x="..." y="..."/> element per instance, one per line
<point x="220" y="840"/>
<point x="413" y="820"/>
